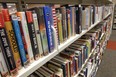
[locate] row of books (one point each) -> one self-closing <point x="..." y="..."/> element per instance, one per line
<point x="77" y="18"/>
<point x="27" y="36"/>
<point x="70" y="60"/>
<point x="91" y="64"/>
<point x="94" y="61"/>
<point x="24" y="37"/>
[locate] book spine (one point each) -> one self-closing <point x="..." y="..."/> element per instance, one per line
<point x="55" y="21"/>
<point x="3" y="67"/>
<point x="11" y="37"/>
<point x="60" y="31"/>
<point x="68" y="22"/>
<point x="37" y="31"/>
<point x="0" y="74"/>
<point x="23" y="38"/>
<point x="71" y="61"/>
<point x="43" y="30"/>
<point x="6" y="49"/>
<point x="64" y="24"/>
<point x="22" y="18"/>
<point x="71" y="25"/>
<point x="73" y="21"/>
<point x="48" y="28"/>
<point x="32" y="34"/>
<point x="78" y="19"/>
<point x="19" y="39"/>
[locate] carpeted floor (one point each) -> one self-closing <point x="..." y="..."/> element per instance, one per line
<point x="107" y="67"/>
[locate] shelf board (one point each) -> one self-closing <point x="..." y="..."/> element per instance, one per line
<point x="24" y="72"/>
<point x="53" y="1"/>
<point x="8" y="1"/>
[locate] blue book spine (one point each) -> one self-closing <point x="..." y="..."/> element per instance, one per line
<point x="48" y="24"/>
<point x="19" y="39"/>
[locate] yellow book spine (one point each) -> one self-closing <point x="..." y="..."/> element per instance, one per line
<point x="60" y="32"/>
<point x="12" y="41"/>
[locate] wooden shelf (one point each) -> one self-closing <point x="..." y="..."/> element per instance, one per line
<point x="53" y="1"/>
<point x="8" y="1"/>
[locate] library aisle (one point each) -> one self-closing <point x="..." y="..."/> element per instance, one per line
<point x="107" y="67"/>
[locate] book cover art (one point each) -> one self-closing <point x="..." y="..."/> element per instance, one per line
<point x="11" y="37"/>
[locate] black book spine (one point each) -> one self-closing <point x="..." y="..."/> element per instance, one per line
<point x="32" y="34"/>
<point x="78" y="19"/>
<point x="64" y="23"/>
<point x="7" y="51"/>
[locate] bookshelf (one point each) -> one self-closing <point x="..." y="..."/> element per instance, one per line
<point x="24" y="72"/>
<point x="35" y="65"/>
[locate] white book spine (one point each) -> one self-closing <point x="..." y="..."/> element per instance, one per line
<point x="3" y="67"/>
<point x="26" y="35"/>
<point x="37" y="33"/>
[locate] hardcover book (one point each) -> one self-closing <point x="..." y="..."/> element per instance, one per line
<point x="6" y="49"/>
<point x="64" y="23"/>
<point x="11" y="37"/>
<point x="3" y="66"/>
<point x="54" y="15"/>
<point x="25" y="35"/>
<point x="37" y="32"/>
<point x="59" y="24"/>
<point x="32" y="34"/>
<point x="78" y="10"/>
<point x="41" y="22"/>
<point x="19" y="39"/>
<point x="48" y="25"/>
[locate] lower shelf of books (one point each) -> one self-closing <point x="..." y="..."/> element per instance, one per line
<point x="24" y="72"/>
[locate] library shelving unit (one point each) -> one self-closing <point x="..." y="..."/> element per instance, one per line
<point x="24" y="72"/>
<point x="35" y="65"/>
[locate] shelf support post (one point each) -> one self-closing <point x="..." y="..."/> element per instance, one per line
<point x="21" y="5"/>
